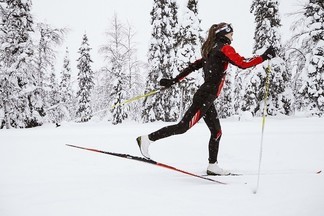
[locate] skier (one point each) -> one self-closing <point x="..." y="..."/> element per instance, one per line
<point x="216" y="54"/>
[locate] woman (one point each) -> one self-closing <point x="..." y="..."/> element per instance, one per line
<point x="216" y="54"/>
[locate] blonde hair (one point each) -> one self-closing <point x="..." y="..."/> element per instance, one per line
<point x="211" y="39"/>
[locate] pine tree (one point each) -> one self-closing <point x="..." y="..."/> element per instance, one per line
<point x="66" y="92"/>
<point x="189" y="36"/>
<point x="312" y="89"/>
<point x="188" y="50"/>
<point x="16" y="68"/>
<point x="85" y="81"/>
<point x="54" y="111"/>
<point x="280" y="98"/>
<point x="162" y="62"/>
<point x="47" y="38"/>
<point x="45" y="55"/>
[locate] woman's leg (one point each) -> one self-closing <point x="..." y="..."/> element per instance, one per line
<point x="198" y="109"/>
<point x="213" y="123"/>
<point x="192" y="115"/>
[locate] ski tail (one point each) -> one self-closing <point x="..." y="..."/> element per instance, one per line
<point x="121" y="155"/>
<point x="145" y="160"/>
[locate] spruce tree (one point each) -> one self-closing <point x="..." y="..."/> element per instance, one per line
<point x="17" y="81"/>
<point x="162" y="62"/>
<point x="188" y="50"/>
<point x="66" y="92"/>
<point x="85" y="81"/>
<point x="312" y="89"/>
<point x="54" y="111"/>
<point x="280" y="98"/>
<point x="47" y="39"/>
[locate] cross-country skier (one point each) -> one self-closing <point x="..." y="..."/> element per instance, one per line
<point x="216" y="54"/>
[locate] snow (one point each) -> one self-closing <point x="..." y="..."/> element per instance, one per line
<point x="40" y="175"/>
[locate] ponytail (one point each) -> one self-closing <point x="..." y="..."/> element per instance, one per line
<point x="211" y="39"/>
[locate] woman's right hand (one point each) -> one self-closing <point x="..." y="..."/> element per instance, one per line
<point x="269" y="54"/>
<point x="167" y="82"/>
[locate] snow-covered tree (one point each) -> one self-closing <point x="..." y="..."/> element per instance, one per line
<point x="17" y="81"/>
<point x="45" y="55"/>
<point x="126" y="68"/>
<point x="253" y="93"/>
<point x="46" y="40"/>
<point x="134" y="73"/>
<point x="307" y="39"/>
<point x="188" y="50"/>
<point x="54" y="111"/>
<point x="162" y="62"/>
<point x="101" y="101"/>
<point x="116" y="53"/>
<point x="267" y="34"/>
<point x="312" y="42"/>
<point x="85" y="81"/>
<point x="225" y="101"/>
<point x="189" y="36"/>
<point x="66" y="92"/>
<point x="238" y="91"/>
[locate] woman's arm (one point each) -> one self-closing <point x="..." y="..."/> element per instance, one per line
<point x="234" y="58"/>
<point x="191" y="67"/>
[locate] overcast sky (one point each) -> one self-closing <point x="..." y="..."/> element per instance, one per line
<point x="94" y="18"/>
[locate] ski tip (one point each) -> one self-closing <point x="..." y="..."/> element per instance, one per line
<point x="231" y="174"/>
<point x="71" y="145"/>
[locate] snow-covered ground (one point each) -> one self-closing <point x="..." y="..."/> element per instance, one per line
<point x="40" y="175"/>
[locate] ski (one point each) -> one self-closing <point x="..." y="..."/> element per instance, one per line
<point x="270" y="173"/>
<point x="231" y="174"/>
<point x="149" y="161"/>
<point x="283" y="172"/>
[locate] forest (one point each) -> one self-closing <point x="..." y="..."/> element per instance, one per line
<point x="33" y="93"/>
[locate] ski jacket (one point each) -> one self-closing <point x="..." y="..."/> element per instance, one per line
<point x="215" y="67"/>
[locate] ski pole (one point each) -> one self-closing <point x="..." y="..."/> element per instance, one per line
<point x="153" y="92"/>
<point x="266" y="94"/>
<point x="128" y="101"/>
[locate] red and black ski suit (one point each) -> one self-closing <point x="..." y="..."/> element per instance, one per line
<point x="214" y="68"/>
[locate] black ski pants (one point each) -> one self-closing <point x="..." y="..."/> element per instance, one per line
<point x="202" y="106"/>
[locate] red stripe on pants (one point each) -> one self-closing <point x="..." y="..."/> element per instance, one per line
<point x="195" y="119"/>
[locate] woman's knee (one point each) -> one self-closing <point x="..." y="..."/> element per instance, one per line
<point x="182" y="127"/>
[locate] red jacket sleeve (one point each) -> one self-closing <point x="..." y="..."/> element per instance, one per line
<point x="234" y="58"/>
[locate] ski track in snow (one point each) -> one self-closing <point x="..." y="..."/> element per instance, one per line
<point x="40" y="175"/>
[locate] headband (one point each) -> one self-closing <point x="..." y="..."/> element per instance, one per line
<point x="224" y="30"/>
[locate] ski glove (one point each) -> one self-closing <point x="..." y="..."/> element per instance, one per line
<point x="269" y="53"/>
<point x="167" y="82"/>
